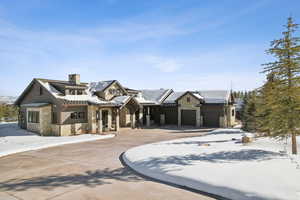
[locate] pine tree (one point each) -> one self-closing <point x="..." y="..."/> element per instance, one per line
<point x="285" y="117"/>
<point x="266" y="99"/>
<point x="248" y="112"/>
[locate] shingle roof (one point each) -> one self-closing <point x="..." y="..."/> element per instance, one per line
<point x="100" y="85"/>
<point x="215" y="96"/>
<point x="82" y="99"/>
<point x="121" y="99"/>
<point x="172" y="97"/>
<point x="153" y="96"/>
<point x="210" y="96"/>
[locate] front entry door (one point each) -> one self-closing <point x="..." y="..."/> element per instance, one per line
<point x="105" y="120"/>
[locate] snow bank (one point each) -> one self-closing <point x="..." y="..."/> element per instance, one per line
<point x="219" y="165"/>
<point x="16" y="140"/>
<point x="226" y="130"/>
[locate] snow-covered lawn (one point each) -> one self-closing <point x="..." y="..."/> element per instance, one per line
<point x="220" y="164"/>
<point x="15" y="140"/>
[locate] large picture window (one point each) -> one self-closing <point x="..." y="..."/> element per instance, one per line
<point x="33" y="116"/>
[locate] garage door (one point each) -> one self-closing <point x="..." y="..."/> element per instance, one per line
<point x="170" y="115"/>
<point x="188" y="117"/>
<point x="211" y="119"/>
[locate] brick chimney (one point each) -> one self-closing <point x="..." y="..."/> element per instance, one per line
<point x="74" y="79"/>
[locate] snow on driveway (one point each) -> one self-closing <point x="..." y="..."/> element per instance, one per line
<point x="220" y="164"/>
<point x="15" y="140"/>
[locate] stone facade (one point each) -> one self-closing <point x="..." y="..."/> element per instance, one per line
<point x="189" y="102"/>
<point x="44" y="126"/>
<point x="74" y="129"/>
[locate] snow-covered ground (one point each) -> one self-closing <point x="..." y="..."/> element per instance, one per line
<point x="220" y="164"/>
<point x="15" y="140"/>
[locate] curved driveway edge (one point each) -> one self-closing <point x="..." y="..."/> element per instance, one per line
<point x="154" y="177"/>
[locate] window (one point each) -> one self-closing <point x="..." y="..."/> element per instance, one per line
<point x="188" y="99"/>
<point x="112" y="91"/>
<point x="41" y="91"/>
<point x="78" y="115"/>
<point x="232" y="112"/>
<point x="33" y="116"/>
<point x="79" y="92"/>
<point x="72" y="92"/>
<point x="74" y="115"/>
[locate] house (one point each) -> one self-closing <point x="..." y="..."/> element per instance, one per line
<point x="62" y="108"/>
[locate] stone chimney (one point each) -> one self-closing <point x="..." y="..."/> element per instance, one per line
<point x="74" y="79"/>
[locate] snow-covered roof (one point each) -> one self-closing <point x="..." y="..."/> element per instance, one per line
<point x="173" y="96"/>
<point x="35" y="104"/>
<point x="215" y="96"/>
<point x="100" y="85"/>
<point x="120" y="99"/>
<point x="89" y="97"/>
<point x="153" y="96"/>
<point x="209" y="96"/>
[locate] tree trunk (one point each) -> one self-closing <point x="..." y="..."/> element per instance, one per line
<point x="294" y="144"/>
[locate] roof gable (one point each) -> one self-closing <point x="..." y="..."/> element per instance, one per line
<point x="101" y="86"/>
<point x="28" y="89"/>
<point x="196" y="95"/>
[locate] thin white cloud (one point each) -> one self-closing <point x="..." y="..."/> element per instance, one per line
<point x="163" y="64"/>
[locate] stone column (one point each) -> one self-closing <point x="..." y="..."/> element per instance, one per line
<point x="148" y="117"/>
<point x="179" y="117"/>
<point x="92" y="119"/>
<point x="117" y="119"/>
<point x="221" y="121"/>
<point x="141" y="116"/>
<point x="132" y="120"/>
<point x="198" y="117"/>
<point x="162" y="119"/>
<point x="100" y="122"/>
<point x="109" y="119"/>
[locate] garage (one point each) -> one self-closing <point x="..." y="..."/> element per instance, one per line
<point x="211" y="119"/>
<point x="170" y="115"/>
<point x="188" y="117"/>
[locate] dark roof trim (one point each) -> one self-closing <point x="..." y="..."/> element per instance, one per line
<point x="167" y="94"/>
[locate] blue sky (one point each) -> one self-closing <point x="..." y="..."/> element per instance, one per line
<point x="179" y="44"/>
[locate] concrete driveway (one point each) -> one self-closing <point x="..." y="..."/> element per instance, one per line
<point x="90" y="170"/>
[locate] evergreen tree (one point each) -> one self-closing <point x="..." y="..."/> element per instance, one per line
<point x="285" y="111"/>
<point x="266" y="99"/>
<point x="248" y="113"/>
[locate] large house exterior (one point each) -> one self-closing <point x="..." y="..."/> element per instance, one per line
<point x="63" y="108"/>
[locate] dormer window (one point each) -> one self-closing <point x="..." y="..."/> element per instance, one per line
<point x="113" y="91"/>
